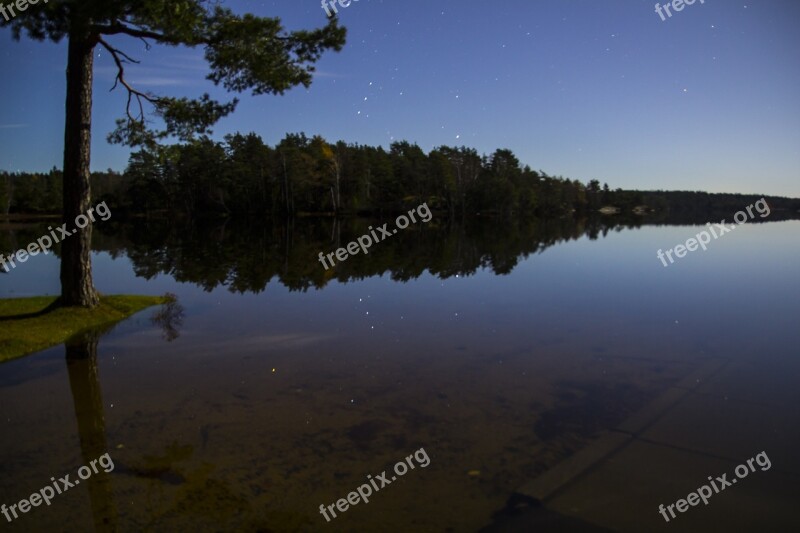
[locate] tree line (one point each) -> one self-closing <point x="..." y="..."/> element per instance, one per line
<point x="243" y="176"/>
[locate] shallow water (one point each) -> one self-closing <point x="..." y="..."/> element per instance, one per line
<point x="500" y="350"/>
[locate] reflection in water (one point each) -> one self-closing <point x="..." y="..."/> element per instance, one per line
<point x="245" y="257"/>
<point x="169" y="318"/>
<point x="268" y="406"/>
<point x="88" y="400"/>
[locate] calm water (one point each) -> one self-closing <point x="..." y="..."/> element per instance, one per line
<point x="501" y="349"/>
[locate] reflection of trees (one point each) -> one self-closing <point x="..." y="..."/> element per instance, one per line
<point x="87" y="397"/>
<point x="245" y="257"/>
<point x="169" y="318"/>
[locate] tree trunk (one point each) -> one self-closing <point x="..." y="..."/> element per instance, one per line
<point x="338" y="180"/>
<point x="9" y="193"/>
<point x="285" y="184"/>
<point x="77" y="288"/>
<point x="369" y="184"/>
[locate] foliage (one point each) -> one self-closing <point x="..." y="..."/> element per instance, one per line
<point x="244" y="53"/>
<point x="243" y="176"/>
<point x="247" y="257"/>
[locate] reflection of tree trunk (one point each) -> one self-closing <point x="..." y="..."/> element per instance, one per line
<point x="287" y="237"/>
<point x="12" y="241"/>
<point x="87" y="397"/>
<point x="77" y="288"/>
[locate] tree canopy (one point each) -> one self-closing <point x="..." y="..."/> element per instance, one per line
<point x="244" y="53"/>
<point x="245" y="177"/>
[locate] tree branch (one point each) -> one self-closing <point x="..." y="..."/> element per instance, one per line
<point x="119" y="58"/>
<point x="118" y="27"/>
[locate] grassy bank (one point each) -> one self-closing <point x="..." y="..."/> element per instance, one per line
<point x="27" y="325"/>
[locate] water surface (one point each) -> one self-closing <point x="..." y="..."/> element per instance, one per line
<point x="499" y="348"/>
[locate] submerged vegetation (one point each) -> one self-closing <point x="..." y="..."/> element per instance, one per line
<point x="33" y="324"/>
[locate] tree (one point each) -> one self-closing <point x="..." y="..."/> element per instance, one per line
<point x="410" y="165"/>
<point x="443" y="176"/>
<point x="244" y="53"/>
<point x="329" y="165"/>
<point x="593" y="195"/>
<point x="249" y="160"/>
<point x="296" y="168"/>
<point x="7" y="198"/>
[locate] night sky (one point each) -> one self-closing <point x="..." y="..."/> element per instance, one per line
<point x="708" y="99"/>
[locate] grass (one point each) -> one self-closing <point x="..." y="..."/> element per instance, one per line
<point x="27" y="325"/>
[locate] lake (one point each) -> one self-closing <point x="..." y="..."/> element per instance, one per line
<point x="500" y="348"/>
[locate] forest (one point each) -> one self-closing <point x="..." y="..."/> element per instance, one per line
<point x="243" y="177"/>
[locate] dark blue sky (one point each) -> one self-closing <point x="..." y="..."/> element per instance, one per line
<point x="705" y="100"/>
